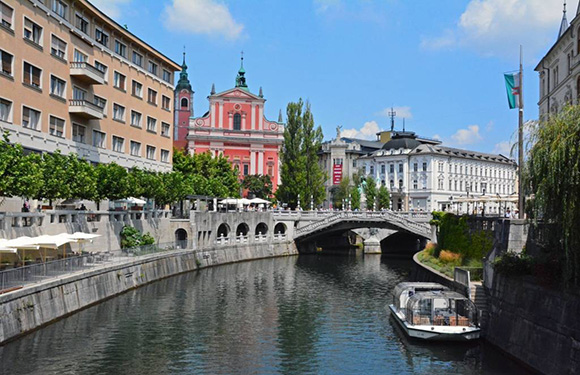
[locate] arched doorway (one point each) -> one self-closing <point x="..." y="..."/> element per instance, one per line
<point x="280" y="228"/>
<point x="223" y="230"/>
<point x="242" y="229"/>
<point x="261" y="228"/>
<point x="181" y="238"/>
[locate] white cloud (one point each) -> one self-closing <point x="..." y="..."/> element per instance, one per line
<point x="323" y="6"/>
<point x="499" y="27"/>
<point x="467" y="136"/>
<point x="202" y="17"/>
<point x="436" y="137"/>
<point x="401" y="112"/>
<point x="503" y="148"/>
<point x="368" y="131"/>
<point x="110" y="7"/>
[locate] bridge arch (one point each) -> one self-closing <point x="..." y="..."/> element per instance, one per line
<point x="223" y="230"/>
<point x="242" y="229"/>
<point x="181" y="238"/>
<point x="261" y="228"/>
<point x="280" y="228"/>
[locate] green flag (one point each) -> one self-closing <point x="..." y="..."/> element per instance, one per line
<point x="513" y="86"/>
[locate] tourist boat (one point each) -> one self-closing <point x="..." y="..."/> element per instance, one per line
<point x="430" y="311"/>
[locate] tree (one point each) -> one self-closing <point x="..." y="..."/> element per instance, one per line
<point x="354" y="198"/>
<point x="55" y="181"/>
<point x="384" y="198"/>
<point x="259" y="185"/>
<point x="20" y="175"/>
<point x="370" y="189"/>
<point x="81" y="178"/>
<point x="113" y="182"/>
<point x="341" y="192"/>
<point x="300" y="172"/>
<point x="553" y="175"/>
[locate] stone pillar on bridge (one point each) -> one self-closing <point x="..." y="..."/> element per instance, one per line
<point x="372" y="245"/>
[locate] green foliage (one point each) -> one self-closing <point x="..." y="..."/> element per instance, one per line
<point x="355" y="198"/>
<point x="259" y="185"/>
<point x="131" y="237"/>
<point x="384" y="198"/>
<point x="340" y="192"/>
<point x="481" y="243"/>
<point x="553" y="175"/>
<point x="436" y="218"/>
<point x="370" y="190"/>
<point x="55" y="175"/>
<point x="114" y="182"/>
<point x="512" y="264"/>
<point x="453" y="234"/>
<point x="300" y="172"/>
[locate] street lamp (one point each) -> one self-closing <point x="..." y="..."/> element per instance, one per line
<point x="311" y="202"/>
<point x="298" y="205"/>
<point x="349" y="202"/>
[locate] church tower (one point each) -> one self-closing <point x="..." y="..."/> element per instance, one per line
<point x="183" y="108"/>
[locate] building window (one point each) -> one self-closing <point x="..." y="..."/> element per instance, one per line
<point x="401" y="184"/>
<point x="167" y="76"/>
<point x="56" y="126"/>
<point x="151" y="124"/>
<point x="81" y="23"/>
<point x="165" y="128"/>
<point x="184" y="103"/>
<point x="101" y="37"/>
<point x="152" y="68"/>
<point x="137" y="59"/>
<point x="78" y="56"/>
<point x="5" y="110"/>
<point x="30" y="118"/>
<point x="450" y="185"/>
<point x="118" y="112"/>
<point x="415" y="167"/>
<point x="383" y="167"/>
<point x="237" y="121"/>
<point x="455" y="185"/>
<point x="79" y="94"/>
<point x="137" y="89"/>
<point x="135" y="148"/>
<point x="59" y="7"/>
<point x="118" y="144"/>
<point x="152" y="96"/>
<point x="57" y="86"/>
<point x="165" y="156"/>
<point x="400" y="168"/>
<point x="100" y="102"/>
<point x="414" y="184"/>
<point x="100" y="66"/>
<point x="32" y="32"/>
<point x="354" y="163"/>
<point x="6" y="63"/>
<point x="246" y="169"/>
<point x="99" y="139"/>
<point x="79" y="132"/>
<point x="391" y="168"/>
<point x="424" y="167"/>
<point x="372" y="169"/>
<point x="120" y="49"/>
<point x="135" y="119"/>
<point x="151" y="152"/>
<point x="58" y="47"/>
<point x="165" y="102"/>
<point x="119" y="81"/>
<point x="31" y="75"/>
<point x="6" y="12"/>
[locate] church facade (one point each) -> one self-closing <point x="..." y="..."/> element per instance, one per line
<point x="234" y="126"/>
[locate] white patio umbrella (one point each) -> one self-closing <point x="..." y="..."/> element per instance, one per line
<point x="82" y="238"/>
<point x="259" y="201"/>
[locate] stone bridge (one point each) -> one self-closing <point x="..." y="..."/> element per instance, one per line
<point x="345" y="221"/>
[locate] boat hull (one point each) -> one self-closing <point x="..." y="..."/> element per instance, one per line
<point x="435" y="333"/>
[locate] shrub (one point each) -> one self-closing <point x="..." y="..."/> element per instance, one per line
<point x="131" y="237"/>
<point x="449" y="257"/>
<point x="513" y="264"/>
<point x="430" y="248"/>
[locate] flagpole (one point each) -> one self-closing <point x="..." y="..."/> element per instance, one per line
<point x="521" y="195"/>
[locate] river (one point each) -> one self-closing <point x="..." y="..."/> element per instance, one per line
<point x="293" y="315"/>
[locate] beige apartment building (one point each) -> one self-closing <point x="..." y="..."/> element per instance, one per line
<point x="73" y="79"/>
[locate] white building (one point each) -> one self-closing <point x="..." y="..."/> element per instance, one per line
<point x="559" y="69"/>
<point x="422" y="174"/>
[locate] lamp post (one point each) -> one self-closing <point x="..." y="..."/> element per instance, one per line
<point x="311" y="202"/>
<point x="298" y="205"/>
<point x="349" y="202"/>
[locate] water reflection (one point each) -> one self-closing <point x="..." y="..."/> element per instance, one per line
<point x="296" y="315"/>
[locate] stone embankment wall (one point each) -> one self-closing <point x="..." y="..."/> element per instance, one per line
<point x="536" y="325"/>
<point x="32" y="307"/>
<point x="421" y="272"/>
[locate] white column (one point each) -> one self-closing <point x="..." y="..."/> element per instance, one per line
<point x="261" y="162"/>
<point x="261" y="119"/>
<point x="243" y="121"/>
<point x="253" y="114"/>
<point x="253" y="162"/>
<point x="221" y="123"/>
<point x="212" y="123"/>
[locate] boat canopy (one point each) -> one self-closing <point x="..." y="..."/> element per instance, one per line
<point x="406" y="289"/>
<point x="443" y="308"/>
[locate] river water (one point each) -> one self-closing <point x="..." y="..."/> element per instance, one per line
<point x="294" y="315"/>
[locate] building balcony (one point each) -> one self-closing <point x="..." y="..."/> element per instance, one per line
<point x="87" y="73"/>
<point x="85" y="109"/>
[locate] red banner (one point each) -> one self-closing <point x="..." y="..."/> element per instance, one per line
<point x="336" y="174"/>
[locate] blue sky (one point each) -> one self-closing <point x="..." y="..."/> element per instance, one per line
<point x="439" y="63"/>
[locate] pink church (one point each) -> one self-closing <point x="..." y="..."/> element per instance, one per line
<point x="234" y="126"/>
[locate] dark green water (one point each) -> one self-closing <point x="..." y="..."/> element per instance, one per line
<point x="298" y="315"/>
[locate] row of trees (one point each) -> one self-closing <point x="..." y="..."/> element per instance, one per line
<point x="348" y="189"/>
<point x="58" y="176"/>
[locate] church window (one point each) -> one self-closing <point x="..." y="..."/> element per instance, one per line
<point x="184" y="103"/>
<point x="237" y="121"/>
